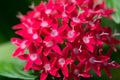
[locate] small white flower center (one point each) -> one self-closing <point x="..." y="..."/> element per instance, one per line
<point x="64" y="14"/>
<point x="23" y="45"/>
<point x="73" y="1"/>
<point x="33" y="57"/>
<point x="75" y="19"/>
<point x="86" y="39"/>
<point x="61" y="61"/>
<point x="49" y="43"/>
<point x="29" y="20"/>
<point x="47" y="67"/>
<point x="76" y="72"/>
<point x="70" y="34"/>
<point x="54" y="33"/>
<point x="44" y="24"/>
<point x="30" y="31"/>
<point x="37" y="14"/>
<point x="35" y="36"/>
<point x="105" y="63"/>
<point x="92" y="60"/>
<point x="48" y="11"/>
<point x="97" y="36"/>
<point x="76" y="51"/>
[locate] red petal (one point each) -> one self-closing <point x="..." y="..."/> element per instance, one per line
<point x="69" y="61"/>
<point x="57" y="49"/>
<point x="88" y="67"/>
<point x="53" y="61"/>
<point x="16" y="41"/>
<point x="38" y="61"/>
<point x="46" y="52"/>
<point x="86" y="75"/>
<point x="109" y="52"/>
<point x="43" y="76"/>
<point x="76" y="78"/>
<point x="54" y="72"/>
<point x="65" y="71"/>
<point x="62" y="28"/>
<point x="23" y="57"/>
<point x="40" y="50"/>
<point x="18" y="26"/>
<point x="28" y="65"/>
<point x="108" y="72"/>
<point x="97" y="70"/>
<point x="17" y="52"/>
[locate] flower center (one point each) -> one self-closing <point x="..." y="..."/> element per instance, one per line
<point x="105" y="63"/>
<point x="49" y="43"/>
<point x="70" y="34"/>
<point x="33" y="57"/>
<point x="86" y="39"/>
<point x="76" y="72"/>
<point x="61" y="61"/>
<point x="73" y="1"/>
<point x="54" y="33"/>
<point x="44" y="24"/>
<point x="76" y="20"/>
<point x="35" y="36"/>
<point x="30" y="31"/>
<point x="37" y="14"/>
<point x="76" y="50"/>
<point x="23" y="45"/>
<point x="48" y="11"/>
<point x="91" y="60"/>
<point x="97" y="36"/>
<point x="64" y="14"/>
<point x="47" y="67"/>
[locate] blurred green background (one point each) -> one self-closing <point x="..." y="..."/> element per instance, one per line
<point x="12" y="68"/>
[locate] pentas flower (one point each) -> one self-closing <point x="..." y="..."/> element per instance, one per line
<point x="51" y="45"/>
<point x="93" y="61"/>
<point x="77" y="71"/>
<point x="22" y="44"/>
<point x="32" y="58"/>
<point x="49" y="68"/>
<point x="64" y="38"/>
<point x="63" y="61"/>
<point x="109" y="64"/>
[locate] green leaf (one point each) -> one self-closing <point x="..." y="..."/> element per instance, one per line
<point x="116" y="6"/>
<point x="12" y="67"/>
<point x="35" y="1"/>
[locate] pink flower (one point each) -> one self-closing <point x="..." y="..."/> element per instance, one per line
<point x="77" y="71"/>
<point x="32" y="58"/>
<point x="109" y="64"/>
<point x="93" y="61"/>
<point x="50" y="45"/>
<point x="63" y="61"/>
<point x="22" y="45"/>
<point x="49" y="68"/>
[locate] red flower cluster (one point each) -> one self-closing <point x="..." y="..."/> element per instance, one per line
<point x="66" y="36"/>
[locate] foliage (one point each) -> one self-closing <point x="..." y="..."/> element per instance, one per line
<point x="115" y="4"/>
